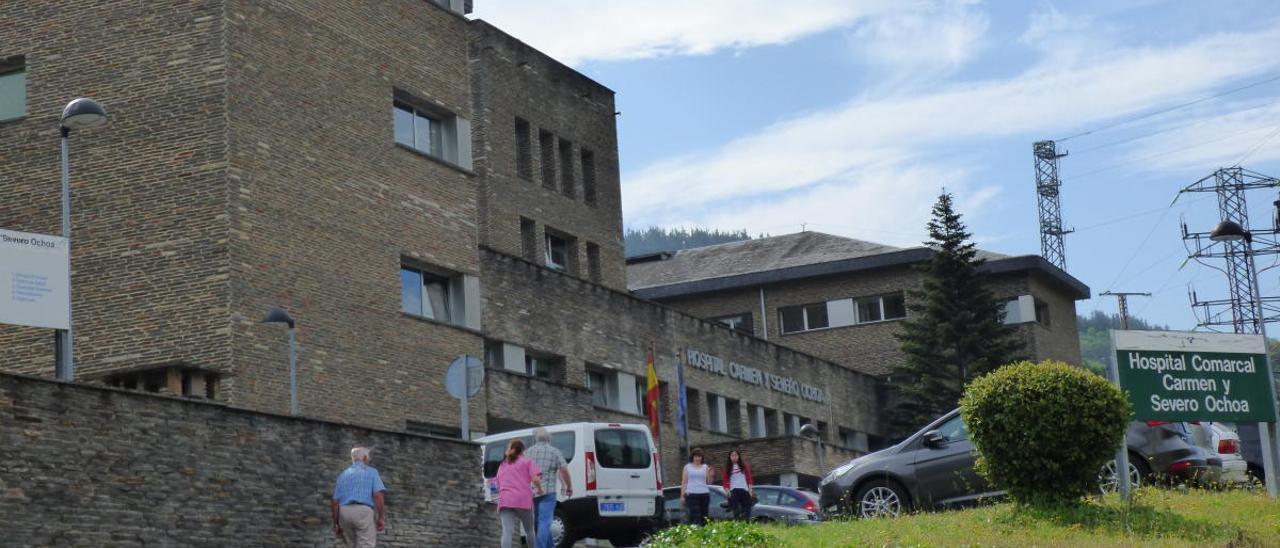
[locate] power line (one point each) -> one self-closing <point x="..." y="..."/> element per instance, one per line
<point x="1168" y="109"/>
<point x="1159" y="154"/>
<point x="1198" y="122"/>
<point x="1257" y="146"/>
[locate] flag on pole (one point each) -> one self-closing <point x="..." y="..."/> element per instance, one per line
<point x="652" y="397"/>
<point x="682" y="406"/>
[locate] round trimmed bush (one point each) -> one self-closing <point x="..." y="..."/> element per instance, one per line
<point x="1043" y="430"/>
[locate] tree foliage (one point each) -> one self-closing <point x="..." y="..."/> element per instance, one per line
<point x="955" y="329"/>
<point x="1042" y="431"/>
<point x="1095" y="337"/>
<point x="655" y="239"/>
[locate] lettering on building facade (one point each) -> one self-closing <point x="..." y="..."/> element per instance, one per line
<point x="751" y="375"/>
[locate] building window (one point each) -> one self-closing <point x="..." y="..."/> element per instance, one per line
<point x="418" y="130"/>
<point x="529" y="239"/>
<point x="733" y="416"/>
<point x="446" y="298"/>
<point x="566" y="169"/>
<point x="717" y="411"/>
<point x="1042" y="313"/>
<point x="693" y="409"/>
<point x="615" y="390"/>
<point x="792" y="423"/>
<point x="756" y="426"/>
<point x="593" y="262"/>
<point x="430" y="130"/>
<point x="852" y="439"/>
<point x="803" y="318"/>
<point x="13" y="88"/>
<point x="560" y="251"/>
<point x="424" y="294"/>
<point x="547" y="147"/>
<point x="740" y="322"/>
<point x="842" y="312"/>
<point x="588" y="177"/>
<point x="542" y="367"/>
<point x="524" y="151"/>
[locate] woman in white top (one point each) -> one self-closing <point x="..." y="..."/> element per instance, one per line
<point x="693" y="488"/>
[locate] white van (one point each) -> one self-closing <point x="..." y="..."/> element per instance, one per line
<point x="617" y="483"/>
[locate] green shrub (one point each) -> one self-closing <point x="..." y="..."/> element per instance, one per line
<point x="1042" y="431"/>
<point x="714" y="533"/>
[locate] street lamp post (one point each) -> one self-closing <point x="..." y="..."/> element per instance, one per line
<point x="278" y="315"/>
<point x="81" y="113"/>
<point x="812" y="431"/>
<point x="1228" y="231"/>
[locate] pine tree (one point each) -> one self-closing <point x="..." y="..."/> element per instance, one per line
<point x="955" y="330"/>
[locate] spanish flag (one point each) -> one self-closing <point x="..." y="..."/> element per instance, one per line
<point x="652" y="396"/>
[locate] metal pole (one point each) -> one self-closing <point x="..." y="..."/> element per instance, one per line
<point x="65" y="370"/>
<point x="293" y="373"/>
<point x="1122" y="454"/>
<point x="1264" y="428"/>
<point x="465" y="426"/>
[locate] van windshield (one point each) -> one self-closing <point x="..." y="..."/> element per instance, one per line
<point x="566" y="442"/>
<point x="619" y="448"/>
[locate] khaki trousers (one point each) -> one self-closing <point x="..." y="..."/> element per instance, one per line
<point x="358" y="527"/>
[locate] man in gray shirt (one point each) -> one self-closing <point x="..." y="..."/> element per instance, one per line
<point x="553" y="465"/>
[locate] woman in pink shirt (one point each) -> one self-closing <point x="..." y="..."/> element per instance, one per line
<point x="518" y="480"/>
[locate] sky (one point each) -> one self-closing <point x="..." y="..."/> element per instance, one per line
<point x="850" y="116"/>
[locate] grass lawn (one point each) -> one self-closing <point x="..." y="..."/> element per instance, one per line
<point x="1159" y="518"/>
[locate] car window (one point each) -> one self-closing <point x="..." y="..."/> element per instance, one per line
<point x="787" y="499"/>
<point x="566" y="442"/>
<point x="619" y="448"/>
<point x="671" y="499"/>
<point x="953" y="430"/>
<point x="716" y="498"/>
<point x="494" y="451"/>
<point x="767" y="496"/>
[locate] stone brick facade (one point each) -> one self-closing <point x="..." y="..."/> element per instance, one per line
<point x="570" y="113"/>
<point x="85" y="466"/>
<point x="872" y="347"/>
<point x="249" y="163"/>
<point x="589" y="325"/>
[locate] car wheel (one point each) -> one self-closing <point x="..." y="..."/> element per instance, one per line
<point x="561" y="537"/>
<point x="879" y="498"/>
<point x="1109" y="482"/>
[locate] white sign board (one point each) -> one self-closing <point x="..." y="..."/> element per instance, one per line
<point x="35" y="289"/>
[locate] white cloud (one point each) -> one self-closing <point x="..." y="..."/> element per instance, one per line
<point x="789" y="171"/>
<point x="932" y="38"/>
<point x="1211" y="140"/>
<point x="574" y="31"/>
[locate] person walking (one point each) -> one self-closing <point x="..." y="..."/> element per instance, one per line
<point x="739" y="485"/>
<point x="518" y="481"/>
<point x="694" y="493"/>
<point x="359" y="511"/>
<point x="551" y="463"/>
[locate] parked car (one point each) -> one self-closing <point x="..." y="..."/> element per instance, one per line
<point x="1251" y="450"/>
<point x="617" y="481"/>
<point x="779" y="495"/>
<point x="934" y="468"/>
<point x="1167" y="452"/>
<point x="1223" y="440"/>
<point x="673" y="512"/>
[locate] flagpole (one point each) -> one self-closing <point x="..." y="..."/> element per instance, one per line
<point x="657" y="405"/>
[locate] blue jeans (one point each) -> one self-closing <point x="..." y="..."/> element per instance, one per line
<point x="544" y="508"/>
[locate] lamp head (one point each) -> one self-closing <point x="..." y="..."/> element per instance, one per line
<point x="83" y="113"/>
<point x="278" y="315"/>
<point x="809" y="430"/>
<point x="1229" y="231"/>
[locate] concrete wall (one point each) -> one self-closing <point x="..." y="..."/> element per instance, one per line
<point x="87" y="466"/>
<point x="510" y="80"/>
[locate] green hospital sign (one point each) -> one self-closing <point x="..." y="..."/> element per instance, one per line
<point x="1185" y="376"/>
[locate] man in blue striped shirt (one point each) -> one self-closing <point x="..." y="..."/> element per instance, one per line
<point x="356" y="496"/>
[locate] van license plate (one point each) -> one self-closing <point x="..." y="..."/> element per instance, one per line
<point x="613" y="506"/>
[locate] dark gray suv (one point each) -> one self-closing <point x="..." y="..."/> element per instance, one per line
<point x="934" y="468"/>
